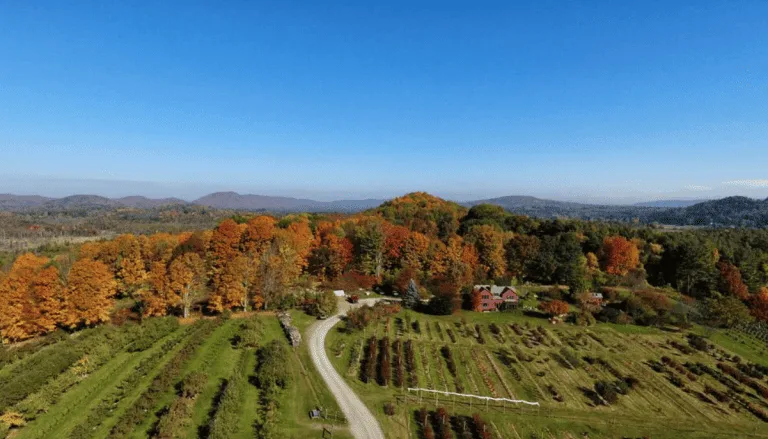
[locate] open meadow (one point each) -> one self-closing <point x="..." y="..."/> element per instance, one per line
<point x="605" y="381"/>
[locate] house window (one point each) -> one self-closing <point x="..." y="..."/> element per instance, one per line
<point x="485" y="305"/>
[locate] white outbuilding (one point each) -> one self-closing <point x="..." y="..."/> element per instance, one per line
<point x="339" y="293"/>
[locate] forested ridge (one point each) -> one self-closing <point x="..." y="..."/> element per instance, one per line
<point x="649" y="276"/>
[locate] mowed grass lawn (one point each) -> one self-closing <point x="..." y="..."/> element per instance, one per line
<point x="217" y="357"/>
<point x="656" y="408"/>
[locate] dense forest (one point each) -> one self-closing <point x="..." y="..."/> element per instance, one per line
<point x="649" y="276"/>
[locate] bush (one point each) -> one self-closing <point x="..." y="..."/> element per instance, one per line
<point x="570" y="357"/>
<point x="271" y="371"/>
<point x="193" y="384"/>
<point x="607" y="391"/>
<point x="389" y="409"/>
<point x="480" y="337"/>
<point x="250" y="334"/>
<point x="152" y="330"/>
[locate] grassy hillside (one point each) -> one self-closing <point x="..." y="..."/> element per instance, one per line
<point x="521" y="357"/>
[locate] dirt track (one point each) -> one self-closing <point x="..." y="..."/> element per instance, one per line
<point x="362" y="423"/>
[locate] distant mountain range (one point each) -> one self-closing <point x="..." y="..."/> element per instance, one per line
<point x="218" y="200"/>
<point x="731" y="211"/>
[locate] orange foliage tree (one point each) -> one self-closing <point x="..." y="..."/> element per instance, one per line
<point x="489" y="243"/>
<point x="130" y="268"/>
<point x="90" y="292"/>
<point x="185" y="278"/>
<point x="619" y="255"/>
<point x="554" y="307"/>
<point x="156" y="299"/>
<point x="29" y="298"/>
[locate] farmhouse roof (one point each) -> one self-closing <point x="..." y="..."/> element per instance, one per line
<point x="496" y="290"/>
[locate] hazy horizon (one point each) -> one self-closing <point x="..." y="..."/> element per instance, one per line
<point x="58" y="188"/>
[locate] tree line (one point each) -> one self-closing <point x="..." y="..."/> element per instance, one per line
<point x="253" y="262"/>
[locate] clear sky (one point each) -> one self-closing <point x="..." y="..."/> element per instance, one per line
<point x="587" y="100"/>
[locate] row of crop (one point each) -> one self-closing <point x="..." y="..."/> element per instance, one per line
<point x="35" y="384"/>
<point x="670" y="362"/>
<point x="480" y="337"/>
<point x="272" y="377"/>
<point x="496" y="331"/>
<point x="744" y="379"/>
<point x="398" y="361"/>
<point x="368" y="369"/>
<point x="101" y="348"/>
<point x="135" y="414"/>
<point x="174" y="418"/>
<point x="440" y="424"/>
<point x="410" y="362"/>
<point x="12" y="354"/>
<point x="223" y="422"/>
<point x="108" y="403"/>
<point x="385" y="362"/>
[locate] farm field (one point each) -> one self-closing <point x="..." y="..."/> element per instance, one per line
<point x="661" y="386"/>
<point x="138" y="386"/>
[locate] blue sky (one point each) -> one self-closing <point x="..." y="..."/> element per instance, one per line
<point x="594" y="101"/>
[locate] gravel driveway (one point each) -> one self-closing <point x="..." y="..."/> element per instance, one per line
<point x="362" y="423"/>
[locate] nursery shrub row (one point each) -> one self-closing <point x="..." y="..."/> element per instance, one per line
<point x="385" y="362"/>
<point x="134" y="415"/>
<point x="272" y="378"/>
<point x="223" y="423"/>
<point x="397" y="360"/>
<point x="107" y="404"/>
<point x="410" y="362"/>
<point x="174" y="419"/>
<point x="368" y="371"/>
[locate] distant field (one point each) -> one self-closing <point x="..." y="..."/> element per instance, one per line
<point x="91" y="405"/>
<point x="526" y="358"/>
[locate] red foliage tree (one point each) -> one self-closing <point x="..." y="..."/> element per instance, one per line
<point x="731" y="282"/>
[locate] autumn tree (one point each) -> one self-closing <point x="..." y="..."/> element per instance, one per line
<point x="554" y="307"/>
<point x="331" y="252"/>
<point x="224" y="247"/>
<point x="619" y="255"/>
<point x="489" y="243"/>
<point x="157" y="298"/>
<point x="230" y="290"/>
<point x="457" y="261"/>
<point x="185" y="276"/>
<point x="394" y="244"/>
<point x="30" y="301"/>
<point x="731" y="282"/>
<point x="130" y="267"/>
<point x="415" y="250"/>
<point x="758" y="305"/>
<point x="89" y="295"/>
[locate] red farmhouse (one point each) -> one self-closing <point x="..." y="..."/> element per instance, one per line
<point x="493" y="296"/>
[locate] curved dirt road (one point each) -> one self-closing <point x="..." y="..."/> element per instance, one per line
<point x="362" y="423"/>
